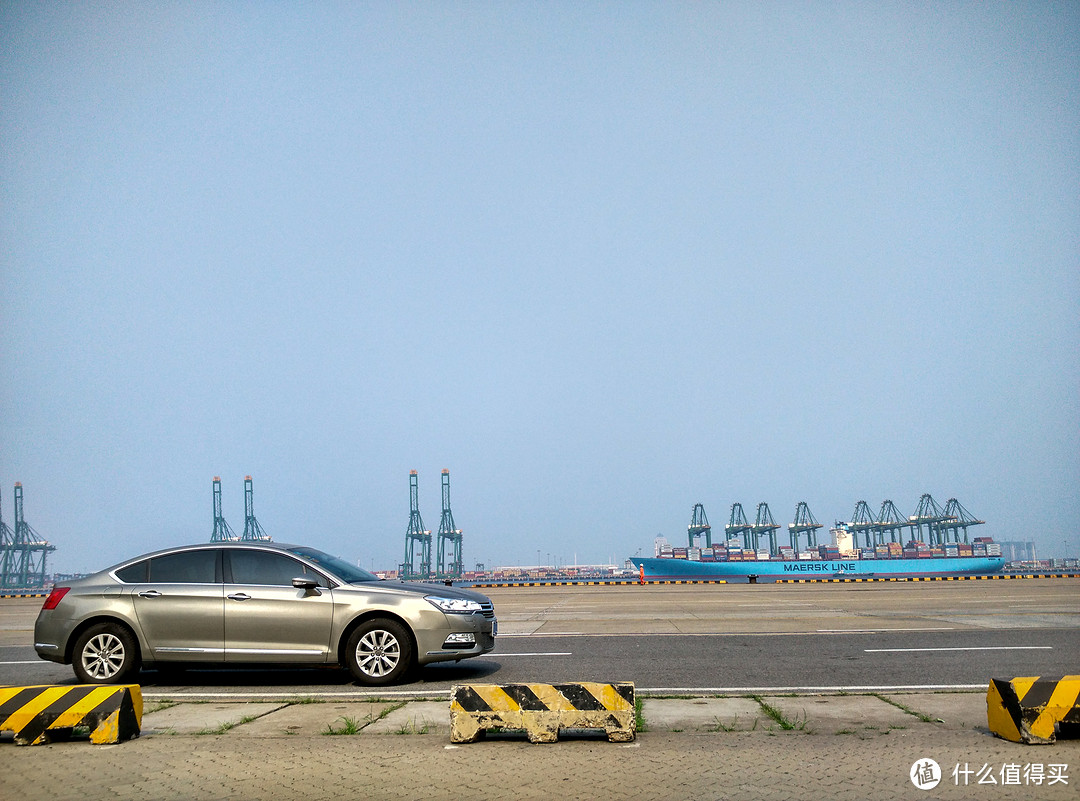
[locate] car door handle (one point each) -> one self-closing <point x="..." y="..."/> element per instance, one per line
<point x="239" y="596"/>
<point x="149" y="594"/>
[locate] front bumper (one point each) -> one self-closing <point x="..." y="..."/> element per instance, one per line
<point x="468" y="635"/>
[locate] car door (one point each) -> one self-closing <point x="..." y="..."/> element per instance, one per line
<point x="267" y="619"/>
<point x="179" y="601"/>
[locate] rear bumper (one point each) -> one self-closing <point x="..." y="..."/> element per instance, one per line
<point x="50" y="652"/>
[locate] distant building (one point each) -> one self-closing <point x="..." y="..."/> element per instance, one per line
<point x="1016" y="551"/>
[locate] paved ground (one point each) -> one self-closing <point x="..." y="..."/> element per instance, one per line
<point x="790" y="747"/>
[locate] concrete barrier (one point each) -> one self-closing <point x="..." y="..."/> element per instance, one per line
<point x="542" y="710"/>
<point x="1033" y="710"/>
<point x="40" y="714"/>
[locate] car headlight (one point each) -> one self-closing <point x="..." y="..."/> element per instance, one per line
<point x="458" y="606"/>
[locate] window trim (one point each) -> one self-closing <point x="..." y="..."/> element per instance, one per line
<point x="147" y="572"/>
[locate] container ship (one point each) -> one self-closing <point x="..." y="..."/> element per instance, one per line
<point x="891" y="560"/>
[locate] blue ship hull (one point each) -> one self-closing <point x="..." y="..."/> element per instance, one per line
<point x="666" y="569"/>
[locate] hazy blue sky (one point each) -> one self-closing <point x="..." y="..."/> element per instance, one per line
<point x="602" y="261"/>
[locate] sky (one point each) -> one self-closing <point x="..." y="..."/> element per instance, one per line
<point x="601" y="261"/>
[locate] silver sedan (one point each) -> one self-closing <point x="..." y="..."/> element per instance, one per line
<point x="269" y="603"/>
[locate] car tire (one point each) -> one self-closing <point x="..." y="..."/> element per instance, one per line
<point x="380" y="651"/>
<point x="105" y="653"/>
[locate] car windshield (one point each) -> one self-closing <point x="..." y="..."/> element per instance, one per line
<point x="346" y="571"/>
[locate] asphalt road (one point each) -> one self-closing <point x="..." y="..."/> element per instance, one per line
<point x="696" y="639"/>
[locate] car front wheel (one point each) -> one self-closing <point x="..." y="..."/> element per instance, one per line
<point x="380" y="652"/>
<point x="105" y="654"/>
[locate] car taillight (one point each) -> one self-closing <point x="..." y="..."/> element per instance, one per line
<point x="54" y="597"/>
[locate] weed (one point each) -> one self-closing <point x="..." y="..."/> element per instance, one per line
<point x="909" y="710"/>
<point x="639" y="718"/>
<point x="778" y="716"/>
<point x="159" y="706"/>
<point x="355" y="725"/>
<point x="228" y="725"/>
<point x="718" y="725"/>
<point x="349" y="726"/>
<point x="410" y="727"/>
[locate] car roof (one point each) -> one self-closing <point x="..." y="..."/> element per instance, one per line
<point x="229" y="545"/>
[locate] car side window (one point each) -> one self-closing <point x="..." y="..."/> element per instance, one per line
<point x="185" y="567"/>
<point x="263" y="567"/>
<point x="134" y="574"/>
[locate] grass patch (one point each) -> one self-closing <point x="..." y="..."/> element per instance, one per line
<point x="639" y="717"/>
<point x="410" y="727"/>
<point x="908" y="709"/>
<point x="778" y="716"/>
<point x="718" y="725"/>
<point x="348" y="726"/>
<point x="159" y="706"/>
<point x="228" y="725"/>
<point x="356" y="725"/>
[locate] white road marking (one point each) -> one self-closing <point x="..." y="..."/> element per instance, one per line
<point x="863" y="631"/>
<point x="810" y="689"/>
<point x="440" y="693"/>
<point x="979" y="648"/>
<point x="550" y="653"/>
<point x="541" y="634"/>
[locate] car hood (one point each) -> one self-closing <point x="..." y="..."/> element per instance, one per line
<point x="441" y="590"/>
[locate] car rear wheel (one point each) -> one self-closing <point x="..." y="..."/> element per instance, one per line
<point x="380" y="652"/>
<point x="105" y="654"/>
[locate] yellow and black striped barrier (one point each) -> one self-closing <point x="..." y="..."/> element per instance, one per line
<point x="1033" y="710"/>
<point x="542" y="710"/>
<point x="39" y="714"/>
<point x="989" y="577"/>
<point x="493" y="585"/>
<point x="526" y="584"/>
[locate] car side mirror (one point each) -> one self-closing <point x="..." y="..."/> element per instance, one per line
<point x="305" y="583"/>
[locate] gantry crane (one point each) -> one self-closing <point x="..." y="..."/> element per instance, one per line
<point x="957" y="518"/>
<point x="890" y="522"/>
<point x="23" y="553"/>
<point x="928" y="514"/>
<point x="862" y="521"/>
<point x="222" y="531"/>
<point x="804" y="523"/>
<point x="8" y="557"/>
<point x="416" y="534"/>
<point x="448" y="534"/>
<point x="252" y="530"/>
<point x="699" y="524"/>
<point x="764" y="525"/>
<point x="739" y="526"/>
